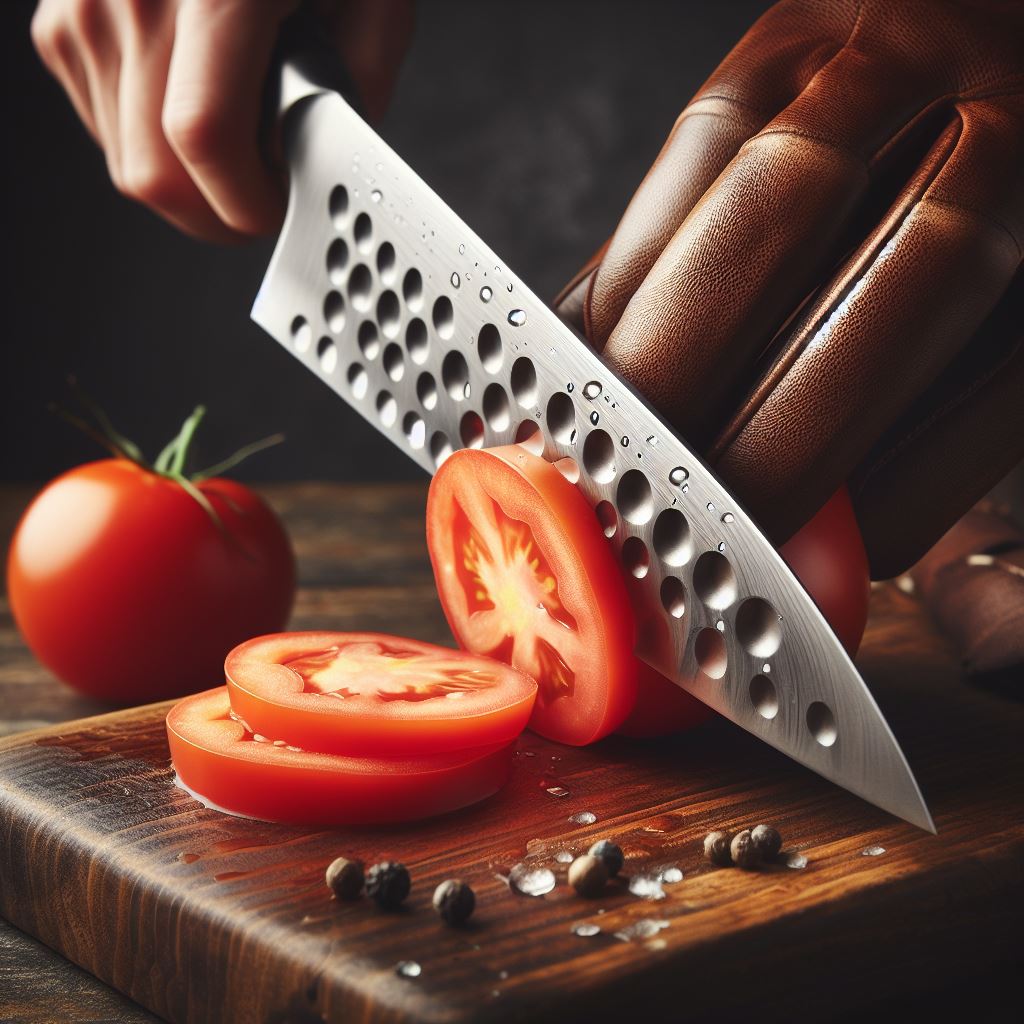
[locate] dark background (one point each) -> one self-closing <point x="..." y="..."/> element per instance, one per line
<point x="535" y="120"/>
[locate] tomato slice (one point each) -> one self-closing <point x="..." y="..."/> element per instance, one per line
<point x="225" y="765"/>
<point x="525" y="575"/>
<point x="372" y="694"/>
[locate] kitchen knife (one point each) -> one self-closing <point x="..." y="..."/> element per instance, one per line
<point x="380" y="289"/>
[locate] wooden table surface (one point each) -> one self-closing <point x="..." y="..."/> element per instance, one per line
<point x="363" y="565"/>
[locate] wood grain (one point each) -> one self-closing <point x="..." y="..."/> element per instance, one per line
<point x="202" y="917"/>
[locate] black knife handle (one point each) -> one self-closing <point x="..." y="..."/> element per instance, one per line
<point x="302" y="47"/>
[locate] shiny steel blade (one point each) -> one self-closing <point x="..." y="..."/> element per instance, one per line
<point x="385" y="294"/>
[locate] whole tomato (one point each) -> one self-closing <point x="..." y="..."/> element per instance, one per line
<point x="133" y="584"/>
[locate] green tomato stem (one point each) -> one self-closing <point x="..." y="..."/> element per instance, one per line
<point x="240" y="456"/>
<point x="184" y="441"/>
<point x="173" y="457"/>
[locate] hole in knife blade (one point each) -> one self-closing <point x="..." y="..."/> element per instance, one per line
<point x="673" y="596"/>
<point x="489" y="348"/>
<point x="764" y="697"/>
<point x="758" y="627"/>
<point x="524" y="382"/>
<point x="672" y="540"/>
<point x="714" y="580"/>
<point x="416" y="341"/>
<point x="599" y="456"/>
<point x="709" y="650"/>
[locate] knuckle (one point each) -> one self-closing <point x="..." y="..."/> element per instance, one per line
<point x="147" y="182"/>
<point x="43" y="30"/>
<point x="197" y="132"/>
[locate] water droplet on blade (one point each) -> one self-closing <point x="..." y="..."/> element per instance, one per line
<point x="516" y="317"/>
<point x="564" y="857"/>
<point x="678" y="475"/>
<point x="455" y="279"/>
<point x="592" y="389"/>
<point x="486" y="293"/>
<point x="586" y="930"/>
<point x="462" y="249"/>
<point x="557" y="790"/>
<point x="670" y="876"/>
<point x="728" y="517"/>
<point x="872" y="851"/>
<point x="583" y="817"/>
<point x="796" y="861"/>
<point x="595" y="418"/>
<point x="376" y="195"/>
<point x="531" y="881"/>
<point x="408" y="969"/>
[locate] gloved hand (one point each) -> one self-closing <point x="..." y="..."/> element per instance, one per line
<point x="820" y="277"/>
<point x="171" y="91"/>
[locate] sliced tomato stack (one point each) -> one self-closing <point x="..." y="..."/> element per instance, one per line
<point x="346" y="728"/>
<point x="350" y="728"/>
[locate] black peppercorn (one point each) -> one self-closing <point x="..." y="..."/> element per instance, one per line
<point x="454" y="901"/>
<point x="588" y="874"/>
<point x="767" y="841"/>
<point x="345" y="878"/>
<point x="610" y="853"/>
<point x="743" y="851"/>
<point x="716" y="848"/>
<point x="388" y="883"/>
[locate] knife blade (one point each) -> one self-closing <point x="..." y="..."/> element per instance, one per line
<point x="382" y="291"/>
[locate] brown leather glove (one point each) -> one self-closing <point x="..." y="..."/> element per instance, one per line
<point x="820" y="277"/>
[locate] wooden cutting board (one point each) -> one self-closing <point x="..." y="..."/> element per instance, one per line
<point x="203" y="917"/>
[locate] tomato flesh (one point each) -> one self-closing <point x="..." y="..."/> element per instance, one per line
<point x="372" y="694"/>
<point x="220" y="761"/>
<point x="524" y="575"/>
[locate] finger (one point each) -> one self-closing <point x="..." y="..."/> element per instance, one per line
<point x="211" y="109"/>
<point x="770" y="66"/>
<point x="53" y="43"/>
<point x="150" y="170"/>
<point x="99" y="52"/>
<point x="952" y="447"/>
<point x="570" y="301"/>
<point x="894" y="318"/>
<point x="758" y="242"/>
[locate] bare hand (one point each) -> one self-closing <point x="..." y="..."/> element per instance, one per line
<point x="171" y="92"/>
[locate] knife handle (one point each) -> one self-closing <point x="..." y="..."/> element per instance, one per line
<point x="304" y="64"/>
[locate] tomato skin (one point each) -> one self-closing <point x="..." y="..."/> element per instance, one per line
<point x="221" y="764"/>
<point x="827" y="555"/>
<point x="661" y="707"/>
<point x="123" y="586"/>
<point x="273" y="699"/>
<point x="529" y="490"/>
